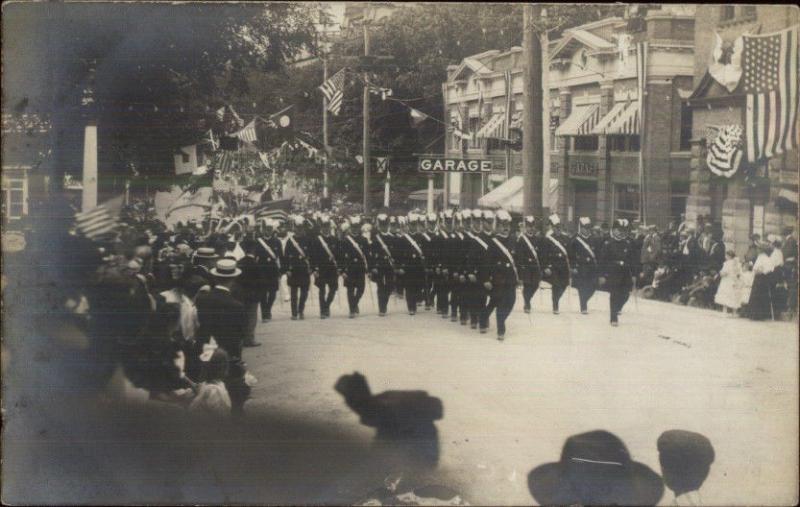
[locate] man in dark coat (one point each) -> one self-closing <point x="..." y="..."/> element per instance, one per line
<point x="321" y="252"/>
<point x="353" y="265"/>
<point x="555" y="261"/>
<point x="457" y="246"/>
<point x="268" y="253"/>
<point x="382" y="264"/>
<point x="501" y="276"/>
<point x="442" y="278"/>
<point x="616" y="261"/>
<point x="251" y="286"/>
<point x="411" y="265"/>
<point x="298" y="267"/>
<point x="583" y="261"/>
<point x="476" y="255"/>
<point x="426" y="237"/>
<point x="222" y="317"/>
<point x="528" y="257"/>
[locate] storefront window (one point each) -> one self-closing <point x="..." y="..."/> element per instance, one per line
<point x="623" y="143"/>
<point x="626" y="201"/>
<point x="474" y="126"/>
<point x="585" y="143"/>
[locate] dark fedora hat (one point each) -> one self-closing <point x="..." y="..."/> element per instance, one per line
<point x="595" y="469"/>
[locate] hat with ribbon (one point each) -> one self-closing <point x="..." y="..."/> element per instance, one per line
<point x="226" y="268"/>
<point x="205" y="252"/>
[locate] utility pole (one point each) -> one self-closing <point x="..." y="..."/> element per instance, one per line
<point x="532" y="141"/>
<point x="366" y="133"/>
<point x="325" y="130"/>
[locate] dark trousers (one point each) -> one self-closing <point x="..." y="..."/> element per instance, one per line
<point x="476" y="302"/>
<point x="528" y="290"/>
<point x="442" y="287"/>
<point x="238" y="390"/>
<point x="501" y="300"/>
<point x="327" y="292"/>
<point x="457" y="300"/>
<point x="430" y="290"/>
<point x="586" y="289"/>
<point x="299" y="294"/>
<point x="355" y="289"/>
<point x="251" y="318"/>
<point x="267" y="300"/>
<point x="618" y="296"/>
<point x="384" y="282"/>
<point x="556" y="292"/>
<point x="414" y="293"/>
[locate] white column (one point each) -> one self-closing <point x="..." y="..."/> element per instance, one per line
<point x="430" y="194"/>
<point x="89" y="200"/>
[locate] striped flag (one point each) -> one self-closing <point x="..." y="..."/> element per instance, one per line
<point x="724" y="151"/>
<point x="278" y="210"/>
<point x="224" y="160"/>
<point x="769" y="65"/>
<point x="99" y="221"/>
<point x="248" y="134"/>
<point x="333" y="90"/>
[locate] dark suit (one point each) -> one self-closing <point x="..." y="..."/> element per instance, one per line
<point x="442" y="278"/>
<point x="616" y="265"/>
<point x="298" y="269"/>
<point x="501" y="272"/>
<point x="271" y="266"/>
<point x="426" y="241"/>
<point x="456" y="246"/>
<point x="528" y="259"/>
<point x="556" y="259"/>
<point x="475" y="263"/>
<point x="382" y="265"/>
<point x="411" y="259"/>
<point x="325" y="264"/>
<point x="354" y="265"/>
<point x="222" y="317"/>
<point x="251" y="287"/>
<point x="583" y="261"/>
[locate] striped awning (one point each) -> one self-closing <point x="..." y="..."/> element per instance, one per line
<point x="623" y="119"/>
<point x="495" y="128"/>
<point x="581" y="122"/>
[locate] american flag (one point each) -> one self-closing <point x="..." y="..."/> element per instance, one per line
<point x="224" y="160"/>
<point x="279" y="210"/>
<point x="333" y="90"/>
<point x="769" y="65"/>
<point x="248" y="134"/>
<point x="99" y="221"/>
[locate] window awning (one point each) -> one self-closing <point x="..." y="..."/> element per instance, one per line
<point x="581" y="122"/>
<point x="494" y="128"/>
<point x="501" y="196"/>
<point x="606" y="120"/>
<point x="625" y="122"/>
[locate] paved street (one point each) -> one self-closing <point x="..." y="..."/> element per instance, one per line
<point x="508" y="407"/>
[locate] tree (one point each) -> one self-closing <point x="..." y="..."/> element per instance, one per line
<point x="157" y="71"/>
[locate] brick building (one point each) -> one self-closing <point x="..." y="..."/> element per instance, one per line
<point x="591" y="107"/>
<point x="759" y="198"/>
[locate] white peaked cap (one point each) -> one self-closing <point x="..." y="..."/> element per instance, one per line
<point x="316" y="214"/>
<point x="503" y="216"/>
<point x="382" y="217"/>
<point x="345" y="226"/>
<point x="355" y="219"/>
<point x="392" y="219"/>
<point x="476" y="213"/>
<point x="529" y="219"/>
<point x="488" y="214"/>
<point x="412" y="217"/>
<point x="448" y="213"/>
<point x="366" y="228"/>
<point x="402" y="220"/>
<point x="298" y="220"/>
<point x="554" y="219"/>
<point x="585" y="221"/>
<point x="431" y="217"/>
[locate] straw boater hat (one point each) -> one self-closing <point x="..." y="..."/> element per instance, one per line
<point x="226" y="268"/>
<point x="205" y="252"/>
<point x="595" y="469"/>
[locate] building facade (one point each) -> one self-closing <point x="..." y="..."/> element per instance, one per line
<point x="760" y="197"/>
<point x="26" y="151"/>
<point x="591" y="117"/>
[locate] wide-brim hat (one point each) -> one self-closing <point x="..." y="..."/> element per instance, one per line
<point x="226" y="268"/>
<point x="595" y="469"/>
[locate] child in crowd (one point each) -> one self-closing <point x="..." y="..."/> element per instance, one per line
<point x="728" y="293"/>
<point x="212" y="397"/>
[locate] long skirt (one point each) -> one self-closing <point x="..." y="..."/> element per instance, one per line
<point x="760" y="305"/>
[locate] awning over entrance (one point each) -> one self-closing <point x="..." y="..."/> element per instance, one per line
<point x="623" y="119"/>
<point x="581" y="122"/>
<point x="504" y="196"/>
<point x="494" y="128"/>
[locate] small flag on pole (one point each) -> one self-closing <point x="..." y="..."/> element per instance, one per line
<point x="333" y="90"/>
<point x="417" y="117"/>
<point x="248" y="134"/>
<point x="99" y="221"/>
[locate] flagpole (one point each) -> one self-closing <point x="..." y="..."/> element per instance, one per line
<point x="365" y="114"/>
<point x="325" y="131"/>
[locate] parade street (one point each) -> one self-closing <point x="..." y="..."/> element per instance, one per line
<point x="508" y="407"/>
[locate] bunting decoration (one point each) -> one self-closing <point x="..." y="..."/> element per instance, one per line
<point x="724" y="150"/>
<point x="769" y="64"/>
<point x="248" y="133"/>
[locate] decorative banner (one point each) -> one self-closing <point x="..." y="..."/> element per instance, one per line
<point x="726" y="63"/>
<point x="381" y="164"/>
<point x="724" y="150"/>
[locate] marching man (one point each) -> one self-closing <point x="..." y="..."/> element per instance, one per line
<point x="323" y="262"/>
<point x="382" y="263"/>
<point x="500" y="277"/>
<point x="615" y="268"/>
<point x="353" y="266"/>
<point x="583" y="261"/>
<point x="528" y="261"/>
<point x="556" y="261"/>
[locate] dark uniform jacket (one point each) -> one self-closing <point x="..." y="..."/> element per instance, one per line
<point x="269" y="261"/>
<point x="222" y="316"/>
<point x="554" y="256"/>
<point x="476" y="259"/>
<point x="583" y="258"/>
<point x="411" y="258"/>
<point x="617" y="262"/>
<point x="382" y="252"/>
<point x="250" y="281"/>
<point x="297" y="260"/>
<point x="426" y="241"/>
<point x="352" y="262"/>
<point x="501" y="269"/>
<point x="326" y="264"/>
<point x="529" y="259"/>
<point x="442" y="257"/>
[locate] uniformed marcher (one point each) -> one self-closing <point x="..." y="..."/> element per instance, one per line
<point x="443" y="280"/>
<point x="298" y="267"/>
<point x="411" y="266"/>
<point x="382" y="263"/>
<point x="426" y="238"/>
<point x="583" y="261"/>
<point x="616" y="268"/>
<point x="476" y="253"/>
<point x="353" y="265"/>
<point x="268" y="254"/>
<point x="500" y="275"/>
<point x="555" y="261"/>
<point x="324" y="265"/>
<point x="457" y="245"/>
<point x="528" y="259"/>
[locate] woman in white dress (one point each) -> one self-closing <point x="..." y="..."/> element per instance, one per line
<point x="728" y="292"/>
